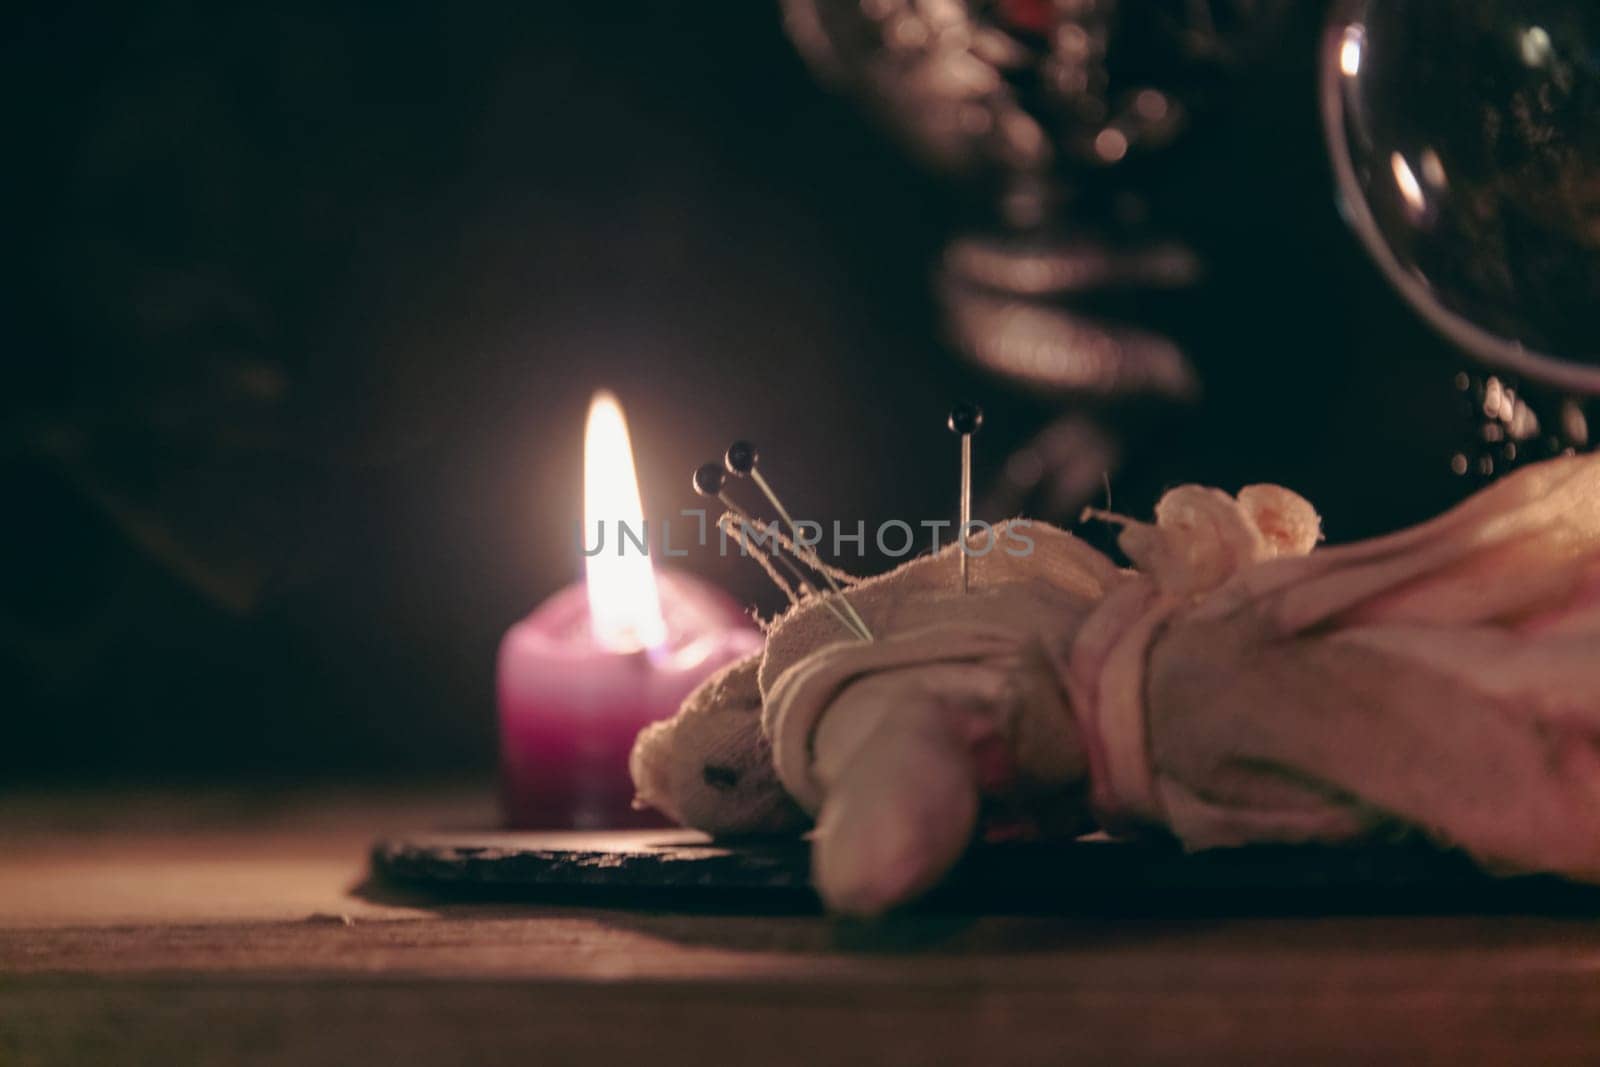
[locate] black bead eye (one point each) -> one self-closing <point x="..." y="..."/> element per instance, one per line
<point x="709" y="479"/>
<point x="722" y="779"/>
<point x="741" y="458"/>
<point x="966" y="418"/>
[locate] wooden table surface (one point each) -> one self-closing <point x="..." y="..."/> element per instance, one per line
<point x="234" y="927"/>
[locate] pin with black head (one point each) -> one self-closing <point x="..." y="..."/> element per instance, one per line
<point x="708" y="481"/>
<point x="741" y="461"/>
<point x="965" y="420"/>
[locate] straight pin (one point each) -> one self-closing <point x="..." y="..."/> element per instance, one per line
<point x="965" y="419"/>
<point x="741" y="460"/>
<point x="709" y="480"/>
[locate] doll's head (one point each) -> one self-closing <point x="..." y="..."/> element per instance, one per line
<point x="710" y="767"/>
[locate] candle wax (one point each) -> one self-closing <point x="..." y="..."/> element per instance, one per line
<point x="570" y="707"/>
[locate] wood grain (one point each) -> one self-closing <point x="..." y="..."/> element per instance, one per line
<point x="364" y="978"/>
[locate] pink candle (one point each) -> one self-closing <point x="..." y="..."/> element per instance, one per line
<point x="585" y="671"/>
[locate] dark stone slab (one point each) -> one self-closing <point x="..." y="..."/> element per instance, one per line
<point x="683" y="869"/>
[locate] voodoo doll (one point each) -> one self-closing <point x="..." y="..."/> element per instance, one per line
<point x="1239" y="684"/>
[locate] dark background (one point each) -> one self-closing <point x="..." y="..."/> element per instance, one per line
<point x="305" y="309"/>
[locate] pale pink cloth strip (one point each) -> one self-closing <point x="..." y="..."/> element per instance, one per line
<point x="1105" y="680"/>
<point x="1200" y="539"/>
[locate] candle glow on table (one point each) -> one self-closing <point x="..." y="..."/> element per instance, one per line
<point x="581" y="675"/>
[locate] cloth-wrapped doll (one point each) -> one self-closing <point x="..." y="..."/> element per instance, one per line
<point x="1236" y="686"/>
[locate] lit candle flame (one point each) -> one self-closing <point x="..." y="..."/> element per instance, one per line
<point x="624" y="605"/>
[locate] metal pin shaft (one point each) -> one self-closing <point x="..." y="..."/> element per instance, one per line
<point x="794" y="530"/>
<point x="794" y="572"/>
<point x="966" y="504"/>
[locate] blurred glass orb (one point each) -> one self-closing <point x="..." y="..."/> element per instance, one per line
<point x="1465" y="139"/>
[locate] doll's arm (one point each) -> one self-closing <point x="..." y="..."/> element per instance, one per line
<point x="899" y="763"/>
